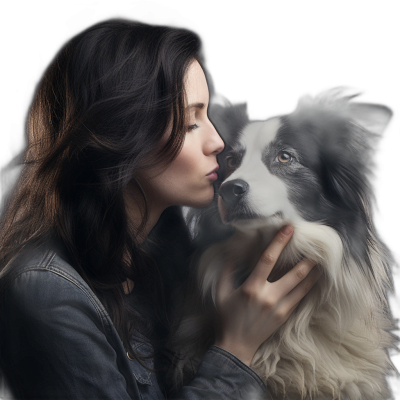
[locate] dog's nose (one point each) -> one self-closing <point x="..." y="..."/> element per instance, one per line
<point x="232" y="191"/>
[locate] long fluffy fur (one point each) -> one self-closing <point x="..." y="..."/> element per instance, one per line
<point x="335" y="344"/>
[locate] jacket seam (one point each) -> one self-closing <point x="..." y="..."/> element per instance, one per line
<point x="52" y="269"/>
<point x="37" y="266"/>
<point x="239" y="363"/>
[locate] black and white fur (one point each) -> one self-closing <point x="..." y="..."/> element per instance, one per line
<point x="309" y="169"/>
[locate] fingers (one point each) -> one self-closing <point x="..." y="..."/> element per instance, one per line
<point x="294" y="297"/>
<point x="270" y="256"/>
<point x="290" y="302"/>
<point x="295" y="276"/>
<point x="226" y="281"/>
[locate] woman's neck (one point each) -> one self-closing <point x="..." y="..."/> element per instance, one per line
<point x="135" y="208"/>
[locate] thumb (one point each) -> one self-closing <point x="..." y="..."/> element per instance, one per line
<point x="225" y="284"/>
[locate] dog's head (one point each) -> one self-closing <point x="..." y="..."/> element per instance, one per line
<point x="312" y="164"/>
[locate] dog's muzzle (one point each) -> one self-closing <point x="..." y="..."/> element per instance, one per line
<point x="232" y="191"/>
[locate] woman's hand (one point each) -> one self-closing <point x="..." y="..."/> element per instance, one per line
<point x="251" y="313"/>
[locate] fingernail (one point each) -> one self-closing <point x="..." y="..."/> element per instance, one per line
<point x="287" y="230"/>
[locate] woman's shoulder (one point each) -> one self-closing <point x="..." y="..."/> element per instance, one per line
<point x="41" y="278"/>
<point x="46" y="257"/>
<point x="56" y="338"/>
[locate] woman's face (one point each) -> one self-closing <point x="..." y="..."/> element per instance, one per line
<point x="188" y="179"/>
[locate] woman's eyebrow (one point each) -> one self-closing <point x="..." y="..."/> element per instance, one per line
<point x="196" y="105"/>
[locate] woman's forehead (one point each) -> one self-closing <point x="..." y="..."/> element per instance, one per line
<point x="196" y="87"/>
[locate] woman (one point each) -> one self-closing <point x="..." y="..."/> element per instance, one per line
<point x="118" y="134"/>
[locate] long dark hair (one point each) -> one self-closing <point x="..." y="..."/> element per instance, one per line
<point x="96" y="121"/>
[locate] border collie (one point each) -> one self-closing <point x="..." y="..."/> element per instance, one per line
<point x="309" y="169"/>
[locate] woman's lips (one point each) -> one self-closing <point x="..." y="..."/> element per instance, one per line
<point x="214" y="170"/>
<point x="213" y="174"/>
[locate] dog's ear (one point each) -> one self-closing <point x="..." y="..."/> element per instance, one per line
<point x="344" y="104"/>
<point x="373" y="117"/>
<point x="229" y="119"/>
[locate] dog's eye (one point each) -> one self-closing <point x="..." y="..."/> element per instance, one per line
<point x="284" y="157"/>
<point x="231" y="162"/>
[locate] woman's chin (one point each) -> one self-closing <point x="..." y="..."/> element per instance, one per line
<point x="203" y="200"/>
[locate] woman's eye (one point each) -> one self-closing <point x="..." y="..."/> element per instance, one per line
<point x="192" y="127"/>
<point x="284" y="157"/>
<point x="231" y="162"/>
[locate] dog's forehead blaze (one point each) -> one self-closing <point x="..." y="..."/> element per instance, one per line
<point x="258" y="135"/>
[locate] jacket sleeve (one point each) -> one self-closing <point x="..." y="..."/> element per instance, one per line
<point x="53" y="343"/>
<point x="222" y="376"/>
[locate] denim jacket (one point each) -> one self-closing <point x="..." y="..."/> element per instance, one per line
<point x="58" y="342"/>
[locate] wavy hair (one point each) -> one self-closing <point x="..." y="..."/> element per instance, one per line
<point x="96" y="121"/>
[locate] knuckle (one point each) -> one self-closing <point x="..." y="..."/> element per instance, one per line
<point x="301" y="273"/>
<point x="280" y="238"/>
<point x="267" y="258"/>
<point x="270" y="303"/>
<point x="281" y="315"/>
<point x="249" y="293"/>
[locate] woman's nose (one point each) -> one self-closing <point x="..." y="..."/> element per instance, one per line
<point x="215" y="143"/>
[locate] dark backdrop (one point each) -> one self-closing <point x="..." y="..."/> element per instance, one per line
<point x="264" y="55"/>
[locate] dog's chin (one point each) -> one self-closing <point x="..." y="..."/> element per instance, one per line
<point x="243" y="218"/>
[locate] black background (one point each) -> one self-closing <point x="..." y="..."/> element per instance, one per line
<point x="265" y="55"/>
